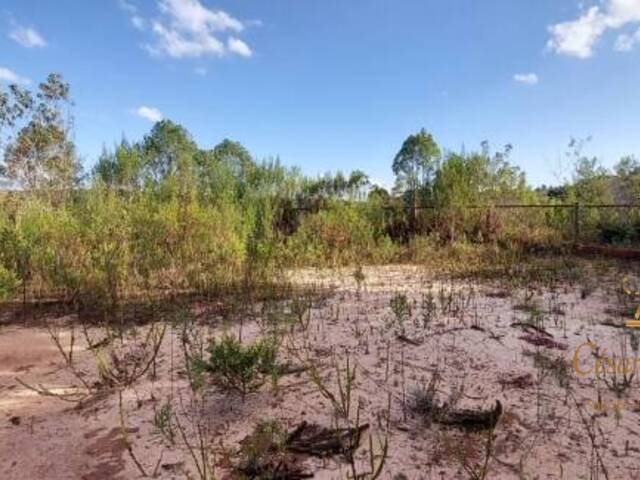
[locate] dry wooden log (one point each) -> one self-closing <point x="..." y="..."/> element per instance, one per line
<point x="288" y="369"/>
<point x="471" y="419"/>
<point x="542" y="341"/>
<point x="428" y="406"/>
<point x="410" y="341"/>
<point x="318" y="441"/>
<point x="528" y="326"/>
<point x="263" y="456"/>
<point x="283" y="469"/>
<point x="517" y="381"/>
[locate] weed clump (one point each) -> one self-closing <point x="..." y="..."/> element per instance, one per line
<point x="238" y="367"/>
<point x="401" y="309"/>
<point x="263" y="454"/>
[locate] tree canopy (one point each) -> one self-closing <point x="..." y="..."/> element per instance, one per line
<point x="34" y="127"/>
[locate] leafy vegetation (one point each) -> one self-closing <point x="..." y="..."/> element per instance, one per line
<point x="163" y="214"/>
<point x="240" y="367"/>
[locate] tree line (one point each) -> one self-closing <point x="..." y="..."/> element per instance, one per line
<point x="163" y="213"/>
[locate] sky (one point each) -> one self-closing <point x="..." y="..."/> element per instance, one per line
<point x="337" y="84"/>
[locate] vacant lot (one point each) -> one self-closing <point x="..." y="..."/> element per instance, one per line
<point x="447" y="378"/>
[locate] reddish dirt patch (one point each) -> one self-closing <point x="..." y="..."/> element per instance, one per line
<point x="109" y="451"/>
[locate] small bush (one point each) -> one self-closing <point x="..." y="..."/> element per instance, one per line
<point x="267" y="438"/>
<point x="611" y="232"/>
<point x="401" y="309"/>
<point x="263" y="455"/>
<point x="238" y="367"/>
<point x="8" y="283"/>
<point x="338" y="235"/>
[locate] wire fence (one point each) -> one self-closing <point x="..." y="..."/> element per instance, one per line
<point x="603" y="223"/>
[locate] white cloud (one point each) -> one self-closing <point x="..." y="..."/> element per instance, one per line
<point x="191" y="16"/>
<point x="188" y="29"/>
<point x="27" y="37"/>
<point x="621" y="12"/>
<point x="578" y="37"/>
<point x="625" y="42"/>
<point x="526" y="78"/>
<point x="176" y="44"/>
<point x="237" y="46"/>
<point x="149" y="113"/>
<point x="254" y="23"/>
<point x="128" y="7"/>
<point x="7" y="75"/>
<point x="137" y="20"/>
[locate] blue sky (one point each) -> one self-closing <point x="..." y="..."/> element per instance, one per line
<point x="339" y="84"/>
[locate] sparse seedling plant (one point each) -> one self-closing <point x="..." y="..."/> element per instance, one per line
<point x="401" y="309"/>
<point x="243" y="368"/>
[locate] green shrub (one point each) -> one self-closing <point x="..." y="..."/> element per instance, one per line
<point x="8" y="283"/>
<point x="238" y="367"/>
<point x="181" y="243"/>
<point x="47" y="248"/>
<point x="263" y="455"/>
<point x="268" y="438"/>
<point x="401" y="309"/>
<point x="619" y="232"/>
<point x="338" y="235"/>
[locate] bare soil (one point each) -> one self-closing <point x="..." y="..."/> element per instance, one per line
<point x="557" y="423"/>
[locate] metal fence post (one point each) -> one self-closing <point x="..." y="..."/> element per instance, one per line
<point x="576" y="222"/>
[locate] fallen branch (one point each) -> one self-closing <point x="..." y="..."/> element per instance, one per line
<point x="471" y="419"/>
<point x="289" y="369"/>
<point x="541" y="341"/>
<point x="318" y="441"/>
<point x="517" y="381"/>
<point x="410" y="341"/>
<point x="529" y="326"/>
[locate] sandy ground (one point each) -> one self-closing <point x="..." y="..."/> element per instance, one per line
<point x="468" y="341"/>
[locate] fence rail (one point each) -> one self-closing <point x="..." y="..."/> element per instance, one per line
<point x="576" y="223"/>
<point x="500" y="205"/>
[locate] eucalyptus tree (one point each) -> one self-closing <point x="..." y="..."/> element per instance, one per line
<point x="476" y="178"/>
<point x="414" y="166"/>
<point x="627" y="172"/>
<point x="38" y="152"/>
<point x="120" y="168"/>
<point x="590" y="182"/>
<point x="356" y="183"/>
<point x="167" y="150"/>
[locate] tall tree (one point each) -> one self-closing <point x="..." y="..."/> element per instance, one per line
<point x="40" y="155"/>
<point x="628" y="179"/>
<point x="414" y="166"/>
<point x="357" y="181"/>
<point x="121" y="168"/>
<point x="167" y="149"/>
<point x="14" y="105"/>
<point x="416" y="161"/>
<point x="236" y="159"/>
<point x="591" y="183"/>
